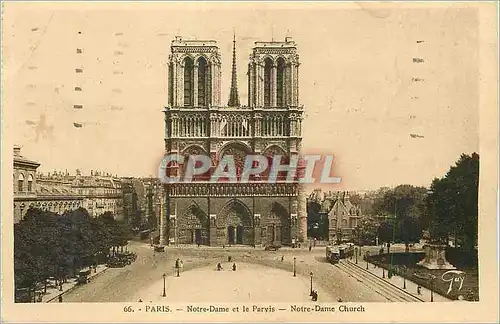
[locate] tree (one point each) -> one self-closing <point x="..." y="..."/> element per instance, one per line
<point x="367" y="231"/>
<point x="452" y="205"/>
<point x="386" y="232"/>
<point x="407" y="204"/>
<point x="35" y="239"/>
<point x="315" y="225"/>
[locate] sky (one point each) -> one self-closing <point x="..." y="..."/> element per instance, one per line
<point x="387" y="119"/>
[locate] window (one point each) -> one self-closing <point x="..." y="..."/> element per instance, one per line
<point x="280" y="83"/>
<point x="20" y="182"/>
<point x="188" y="82"/>
<point x="202" y="81"/>
<point x="30" y="183"/>
<point x="268" y="66"/>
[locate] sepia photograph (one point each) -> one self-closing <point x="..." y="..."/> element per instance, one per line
<point x="329" y="162"/>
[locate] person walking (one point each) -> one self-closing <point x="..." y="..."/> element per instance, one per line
<point x="219" y="266"/>
<point x="282" y="258"/>
<point x="314" y="295"/>
<point x="234" y="266"/>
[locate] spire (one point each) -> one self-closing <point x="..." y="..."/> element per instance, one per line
<point x="234" y="100"/>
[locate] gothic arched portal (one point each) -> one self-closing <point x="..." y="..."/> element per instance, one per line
<point x="236" y="219"/>
<point x="276" y="223"/>
<point x="193" y="226"/>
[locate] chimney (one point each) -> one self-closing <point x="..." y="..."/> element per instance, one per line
<point x="17" y="150"/>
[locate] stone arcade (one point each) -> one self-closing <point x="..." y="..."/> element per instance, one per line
<point x="218" y="214"/>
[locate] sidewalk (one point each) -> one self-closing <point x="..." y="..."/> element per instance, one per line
<point x="398" y="281"/>
<point x="53" y="292"/>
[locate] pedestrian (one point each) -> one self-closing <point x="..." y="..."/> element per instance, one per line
<point x="314" y="295"/>
<point x="60" y="298"/>
<point x="310" y="247"/>
<point x="198" y="243"/>
<point x="177" y="263"/>
<point x="234" y="266"/>
<point x="229" y="258"/>
<point x="282" y="258"/>
<point x="181" y="264"/>
<point x="219" y="266"/>
<point x="419" y="290"/>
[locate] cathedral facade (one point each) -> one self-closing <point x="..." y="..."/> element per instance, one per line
<point x="216" y="214"/>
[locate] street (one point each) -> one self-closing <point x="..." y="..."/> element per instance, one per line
<point x="260" y="276"/>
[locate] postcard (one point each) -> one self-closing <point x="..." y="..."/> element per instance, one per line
<point x="249" y="161"/>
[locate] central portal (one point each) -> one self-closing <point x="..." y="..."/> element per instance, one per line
<point x="235" y="234"/>
<point x="239" y="234"/>
<point x="236" y="222"/>
<point x="230" y="234"/>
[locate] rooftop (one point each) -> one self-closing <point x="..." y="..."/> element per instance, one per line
<point x="288" y="43"/>
<point x="18" y="158"/>
<point x="178" y="41"/>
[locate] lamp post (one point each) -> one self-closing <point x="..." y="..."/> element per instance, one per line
<point x="164" y="291"/>
<point x="311" y="274"/>
<point x="432" y="287"/>
<point x="294" y="267"/>
<point x="404" y="277"/>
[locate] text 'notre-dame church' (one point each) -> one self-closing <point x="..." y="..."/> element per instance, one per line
<point x="218" y="214"/>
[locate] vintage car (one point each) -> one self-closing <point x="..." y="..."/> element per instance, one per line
<point x="82" y="277"/>
<point x="159" y="248"/>
<point x="272" y="247"/>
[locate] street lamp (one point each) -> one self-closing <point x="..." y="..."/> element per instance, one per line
<point x="311" y="274"/>
<point x="294" y="267"/>
<point x="432" y="287"/>
<point x="164" y="291"/>
<point x="404" y="277"/>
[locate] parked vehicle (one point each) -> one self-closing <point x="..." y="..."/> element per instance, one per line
<point x="159" y="248"/>
<point x="272" y="247"/>
<point x="82" y="277"/>
<point x="121" y="260"/>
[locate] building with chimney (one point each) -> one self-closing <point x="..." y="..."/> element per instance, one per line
<point x="343" y="216"/>
<point x="196" y="122"/>
<point x="30" y="191"/>
<point x="59" y="191"/>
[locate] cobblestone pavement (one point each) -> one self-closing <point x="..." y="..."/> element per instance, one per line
<point x="124" y="284"/>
